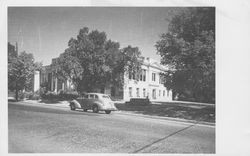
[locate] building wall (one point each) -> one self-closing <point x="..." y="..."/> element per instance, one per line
<point x="48" y="75"/>
<point x="153" y="90"/>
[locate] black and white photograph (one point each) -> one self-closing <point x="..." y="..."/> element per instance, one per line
<point x="115" y="79"/>
<point x="111" y="79"/>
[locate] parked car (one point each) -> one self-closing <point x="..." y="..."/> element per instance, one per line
<point x="94" y="101"/>
<point x="138" y="101"/>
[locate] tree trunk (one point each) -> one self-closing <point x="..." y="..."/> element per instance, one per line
<point x="16" y="95"/>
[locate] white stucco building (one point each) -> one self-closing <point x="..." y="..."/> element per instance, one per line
<point x="149" y="84"/>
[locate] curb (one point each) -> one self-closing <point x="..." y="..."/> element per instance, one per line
<point x="190" y="103"/>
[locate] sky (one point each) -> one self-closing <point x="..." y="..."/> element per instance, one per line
<point x="45" y="31"/>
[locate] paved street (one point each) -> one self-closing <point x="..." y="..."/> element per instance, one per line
<point x="49" y="129"/>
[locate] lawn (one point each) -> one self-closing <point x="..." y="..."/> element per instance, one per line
<point x="175" y="110"/>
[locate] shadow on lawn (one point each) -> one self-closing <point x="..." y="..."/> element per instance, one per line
<point x="198" y="113"/>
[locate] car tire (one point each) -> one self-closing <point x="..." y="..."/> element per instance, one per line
<point x="72" y="106"/>
<point x="108" y="111"/>
<point x="95" y="109"/>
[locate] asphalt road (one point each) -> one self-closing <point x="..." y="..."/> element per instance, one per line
<point x="48" y="129"/>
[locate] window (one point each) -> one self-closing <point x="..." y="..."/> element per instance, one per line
<point x="153" y="76"/>
<point x="130" y="75"/>
<point x="159" y="93"/>
<point x="137" y="92"/>
<point x="161" y="79"/>
<point x="133" y="76"/>
<point x="130" y="92"/>
<point x="144" y="92"/>
<point x="164" y="93"/>
<point x="167" y="92"/>
<point x="154" y="94"/>
<point x="143" y="75"/>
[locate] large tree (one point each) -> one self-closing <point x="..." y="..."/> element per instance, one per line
<point x="92" y="61"/>
<point x="21" y="70"/>
<point x="188" y="48"/>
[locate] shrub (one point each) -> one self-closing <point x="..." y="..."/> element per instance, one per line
<point x="21" y="95"/>
<point x="68" y="95"/>
<point x="138" y="101"/>
<point x="34" y="96"/>
<point x="28" y="95"/>
<point x="50" y="96"/>
<point x="62" y="95"/>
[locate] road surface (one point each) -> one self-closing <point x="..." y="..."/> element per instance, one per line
<point x="49" y="129"/>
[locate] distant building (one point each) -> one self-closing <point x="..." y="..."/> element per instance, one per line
<point x="150" y="84"/>
<point x="12" y="51"/>
<point x="48" y="78"/>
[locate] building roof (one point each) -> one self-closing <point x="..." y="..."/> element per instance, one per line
<point x="153" y="63"/>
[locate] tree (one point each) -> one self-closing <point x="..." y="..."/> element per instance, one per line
<point x="21" y="71"/>
<point x="91" y="61"/>
<point x="189" y="49"/>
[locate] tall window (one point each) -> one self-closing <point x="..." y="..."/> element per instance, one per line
<point x="144" y="92"/>
<point x="159" y="93"/>
<point x="154" y="94"/>
<point x="163" y="92"/>
<point x="131" y="75"/>
<point x="161" y="79"/>
<point x="130" y="92"/>
<point x="153" y="76"/>
<point x="137" y="92"/>
<point x="143" y="75"/>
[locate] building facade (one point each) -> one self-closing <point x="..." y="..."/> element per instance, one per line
<point x="49" y="79"/>
<point x="148" y="85"/>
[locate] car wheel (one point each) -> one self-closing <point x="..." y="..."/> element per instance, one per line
<point x="72" y="106"/>
<point x="95" y="109"/>
<point x="108" y="111"/>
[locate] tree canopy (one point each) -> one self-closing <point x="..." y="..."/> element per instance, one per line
<point x="21" y="70"/>
<point x="189" y="49"/>
<point x="92" y="61"/>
